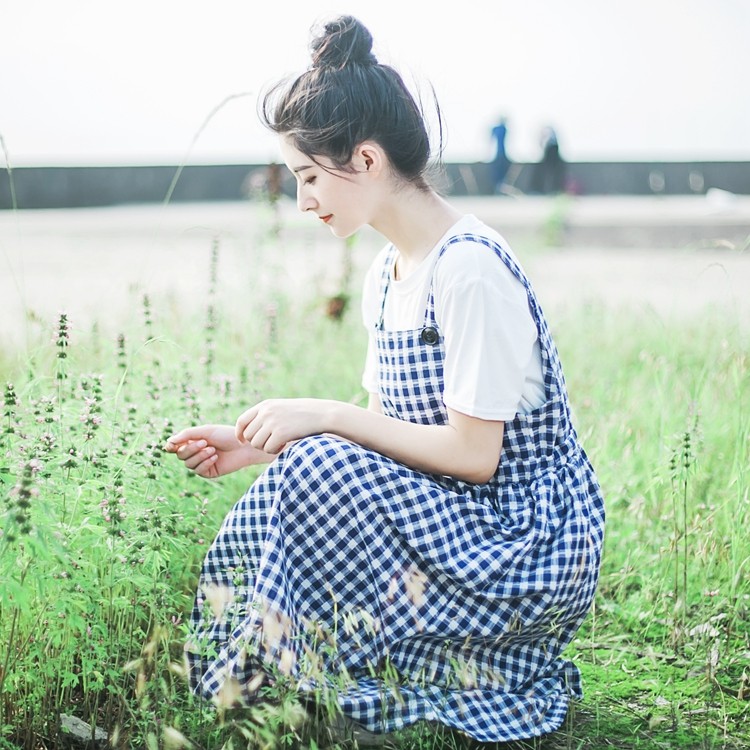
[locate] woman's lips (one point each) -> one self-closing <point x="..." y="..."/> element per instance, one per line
<point x="326" y="218"/>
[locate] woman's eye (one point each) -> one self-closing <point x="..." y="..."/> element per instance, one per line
<point x="310" y="181"/>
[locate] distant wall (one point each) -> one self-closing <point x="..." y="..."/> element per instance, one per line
<point x="63" y="187"/>
<point x="72" y="187"/>
<point x="614" y="178"/>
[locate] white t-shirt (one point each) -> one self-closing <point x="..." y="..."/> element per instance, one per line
<point x="493" y="367"/>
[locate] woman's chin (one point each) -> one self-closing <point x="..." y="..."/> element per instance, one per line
<point x="342" y="233"/>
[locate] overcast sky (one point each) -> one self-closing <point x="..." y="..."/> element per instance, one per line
<point x="110" y="82"/>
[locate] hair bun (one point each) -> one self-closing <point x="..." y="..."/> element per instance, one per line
<point x="342" y="42"/>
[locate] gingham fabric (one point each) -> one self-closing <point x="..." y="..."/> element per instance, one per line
<point x="409" y="596"/>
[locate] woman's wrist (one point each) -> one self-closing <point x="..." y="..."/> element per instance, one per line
<point x="251" y="456"/>
<point x="337" y="418"/>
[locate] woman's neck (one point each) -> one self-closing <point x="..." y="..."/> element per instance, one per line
<point x="414" y="221"/>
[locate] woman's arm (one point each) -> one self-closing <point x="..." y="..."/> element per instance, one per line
<point x="466" y="448"/>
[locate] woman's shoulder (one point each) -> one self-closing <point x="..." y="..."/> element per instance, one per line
<point x="475" y="251"/>
<point x="472" y="234"/>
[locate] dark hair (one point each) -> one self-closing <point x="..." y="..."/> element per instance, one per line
<point x="347" y="97"/>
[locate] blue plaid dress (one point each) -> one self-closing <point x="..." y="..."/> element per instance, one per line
<point x="411" y="596"/>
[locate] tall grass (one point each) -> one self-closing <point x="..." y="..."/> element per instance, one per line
<point x="665" y="414"/>
<point x="101" y="535"/>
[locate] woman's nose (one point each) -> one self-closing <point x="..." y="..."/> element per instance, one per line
<point x="305" y="201"/>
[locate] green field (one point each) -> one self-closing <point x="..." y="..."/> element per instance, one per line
<point x="102" y="534"/>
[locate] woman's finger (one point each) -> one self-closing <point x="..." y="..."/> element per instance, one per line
<point x="273" y="446"/>
<point x="244" y="421"/>
<point x="207" y="468"/>
<point x="183" y="436"/>
<point x="257" y="436"/>
<point x="186" y="450"/>
<point x="197" y="458"/>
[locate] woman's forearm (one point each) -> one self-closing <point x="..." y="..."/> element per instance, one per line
<point x="466" y="448"/>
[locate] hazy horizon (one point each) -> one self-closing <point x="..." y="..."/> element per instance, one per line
<point x="89" y="84"/>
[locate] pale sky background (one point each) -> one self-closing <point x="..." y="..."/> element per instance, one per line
<point x="89" y="82"/>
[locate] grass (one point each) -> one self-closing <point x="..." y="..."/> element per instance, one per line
<point x="102" y="535"/>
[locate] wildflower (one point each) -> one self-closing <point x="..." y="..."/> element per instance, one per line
<point x="70" y="462"/>
<point x="122" y="359"/>
<point x="191" y="400"/>
<point x="213" y="267"/>
<point x="47" y="441"/>
<point x="272" y="329"/>
<point x="147" y="319"/>
<point x="21" y="497"/>
<point x="10" y="405"/>
<point x="62" y="342"/>
<point x="44" y="411"/>
<point x="63" y="335"/>
<point x="211" y="318"/>
<point x="90" y="417"/>
<point x="91" y="387"/>
<point x="11" y="400"/>
<point x="224" y="385"/>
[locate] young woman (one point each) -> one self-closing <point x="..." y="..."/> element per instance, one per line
<point x="432" y="555"/>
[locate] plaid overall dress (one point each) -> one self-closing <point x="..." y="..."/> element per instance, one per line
<point x="411" y="596"/>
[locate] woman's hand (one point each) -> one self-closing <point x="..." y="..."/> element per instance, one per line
<point x="212" y="450"/>
<point x="270" y="425"/>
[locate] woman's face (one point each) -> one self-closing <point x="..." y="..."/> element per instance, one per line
<point x="339" y="199"/>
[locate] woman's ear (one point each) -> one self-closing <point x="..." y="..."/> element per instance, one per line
<point x="369" y="157"/>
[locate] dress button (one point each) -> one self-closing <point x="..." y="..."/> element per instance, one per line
<point x="430" y="336"/>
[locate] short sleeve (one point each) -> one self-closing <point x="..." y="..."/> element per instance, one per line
<point x="489" y="332"/>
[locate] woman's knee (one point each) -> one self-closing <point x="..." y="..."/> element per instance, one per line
<point x="317" y="451"/>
